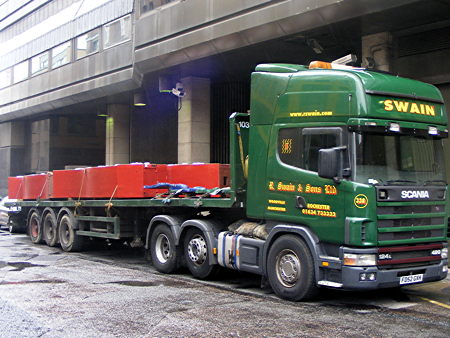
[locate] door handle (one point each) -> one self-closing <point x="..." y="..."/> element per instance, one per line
<point x="300" y="202"/>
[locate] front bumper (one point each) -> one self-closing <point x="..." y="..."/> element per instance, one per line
<point x="389" y="278"/>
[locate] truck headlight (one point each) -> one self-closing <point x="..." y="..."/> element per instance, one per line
<point x="444" y="253"/>
<point x="359" y="259"/>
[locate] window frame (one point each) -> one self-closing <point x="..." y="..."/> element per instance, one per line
<point x="42" y="70"/>
<point x="105" y="34"/>
<point x="70" y="54"/>
<point x="10" y="77"/>
<point x="14" y="81"/>
<point x="302" y="131"/>
<point x="75" y="44"/>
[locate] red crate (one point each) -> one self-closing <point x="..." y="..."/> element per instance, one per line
<point x="208" y="175"/>
<point x="15" y="187"/>
<point x="69" y="183"/>
<point x="153" y="174"/>
<point x="38" y="186"/>
<point x="101" y="182"/>
<point x="122" y="181"/>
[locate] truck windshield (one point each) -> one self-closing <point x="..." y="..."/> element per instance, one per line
<point x="400" y="159"/>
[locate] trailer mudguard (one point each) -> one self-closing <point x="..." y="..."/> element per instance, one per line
<point x="174" y="222"/>
<point x="210" y="228"/>
<point x="305" y="233"/>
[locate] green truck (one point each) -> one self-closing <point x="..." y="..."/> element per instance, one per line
<point x="337" y="180"/>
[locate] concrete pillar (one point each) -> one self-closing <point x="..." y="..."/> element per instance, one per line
<point x="40" y="145"/>
<point x="12" y="152"/>
<point x="194" y="121"/>
<point x="377" y="51"/>
<point x="118" y="134"/>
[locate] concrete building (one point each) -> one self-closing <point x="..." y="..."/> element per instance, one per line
<point x="71" y="71"/>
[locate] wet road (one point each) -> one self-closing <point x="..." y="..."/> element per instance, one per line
<point x="113" y="292"/>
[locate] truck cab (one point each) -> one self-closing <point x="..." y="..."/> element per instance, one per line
<point x="352" y="161"/>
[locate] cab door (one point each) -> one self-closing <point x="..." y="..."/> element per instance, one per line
<point x="296" y="193"/>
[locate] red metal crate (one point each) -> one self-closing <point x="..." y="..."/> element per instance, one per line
<point x="38" y="186"/>
<point x="123" y="180"/>
<point x="101" y="182"/>
<point x="153" y="174"/>
<point x="69" y="183"/>
<point x="15" y="187"/>
<point x="208" y="175"/>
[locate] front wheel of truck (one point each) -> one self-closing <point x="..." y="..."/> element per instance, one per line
<point x="290" y="269"/>
<point x="196" y="253"/>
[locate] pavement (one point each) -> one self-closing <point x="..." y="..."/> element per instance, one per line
<point x="111" y="291"/>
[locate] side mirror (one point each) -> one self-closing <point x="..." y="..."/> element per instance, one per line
<point x="329" y="163"/>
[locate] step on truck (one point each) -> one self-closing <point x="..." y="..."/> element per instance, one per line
<point x="336" y="179"/>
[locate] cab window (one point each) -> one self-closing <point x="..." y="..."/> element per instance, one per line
<point x="299" y="147"/>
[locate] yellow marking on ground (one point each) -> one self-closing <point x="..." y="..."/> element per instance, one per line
<point x="436" y="302"/>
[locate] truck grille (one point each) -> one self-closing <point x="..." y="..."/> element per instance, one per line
<point x="411" y="223"/>
<point x="411" y="229"/>
<point x="409" y="256"/>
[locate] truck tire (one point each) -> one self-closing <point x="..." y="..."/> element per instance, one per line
<point x="35" y="228"/>
<point x="290" y="269"/>
<point x="165" y="254"/>
<point x="196" y="254"/>
<point x="50" y="229"/>
<point x="13" y="228"/>
<point x="68" y="239"/>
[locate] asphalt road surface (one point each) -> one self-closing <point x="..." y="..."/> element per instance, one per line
<point x="113" y="292"/>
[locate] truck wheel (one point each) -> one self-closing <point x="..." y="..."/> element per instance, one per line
<point x="12" y="228"/>
<point x="34" y="228"/>
<point x="196" y="252"/>
<point x="69" y="240"/>
<point x="49" y="228"/>
<point x="290" y="269"/>
<point x="165" y="255"/>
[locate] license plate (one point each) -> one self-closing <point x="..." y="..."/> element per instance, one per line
<point x="411" y="279"/>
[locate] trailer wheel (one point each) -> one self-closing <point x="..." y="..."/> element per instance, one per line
<point x="34" y="228"/>
<point x="165" y="255"/>
<point x="290" y="269"/>
<point x="13" y="228"/>
<point x="50" y="228"/>
<point x="196" y="253"/>
<point x="69" y="240"/>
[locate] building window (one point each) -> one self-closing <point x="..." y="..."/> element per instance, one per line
<point x="61" y="54"/>
<point x="5" y="78"/>
<point x="20" y="71"/>
<point x="87" y="44"/>
<point x="117" y="31"/>
<point x="149" y="5"/>
<point x="39" y="64"/>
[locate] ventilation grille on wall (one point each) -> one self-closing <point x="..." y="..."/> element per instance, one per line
<point x="226" y="99"/>
<point x="424" y="42"/>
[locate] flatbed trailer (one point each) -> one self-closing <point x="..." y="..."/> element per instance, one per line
<point x="337" y="180"/>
